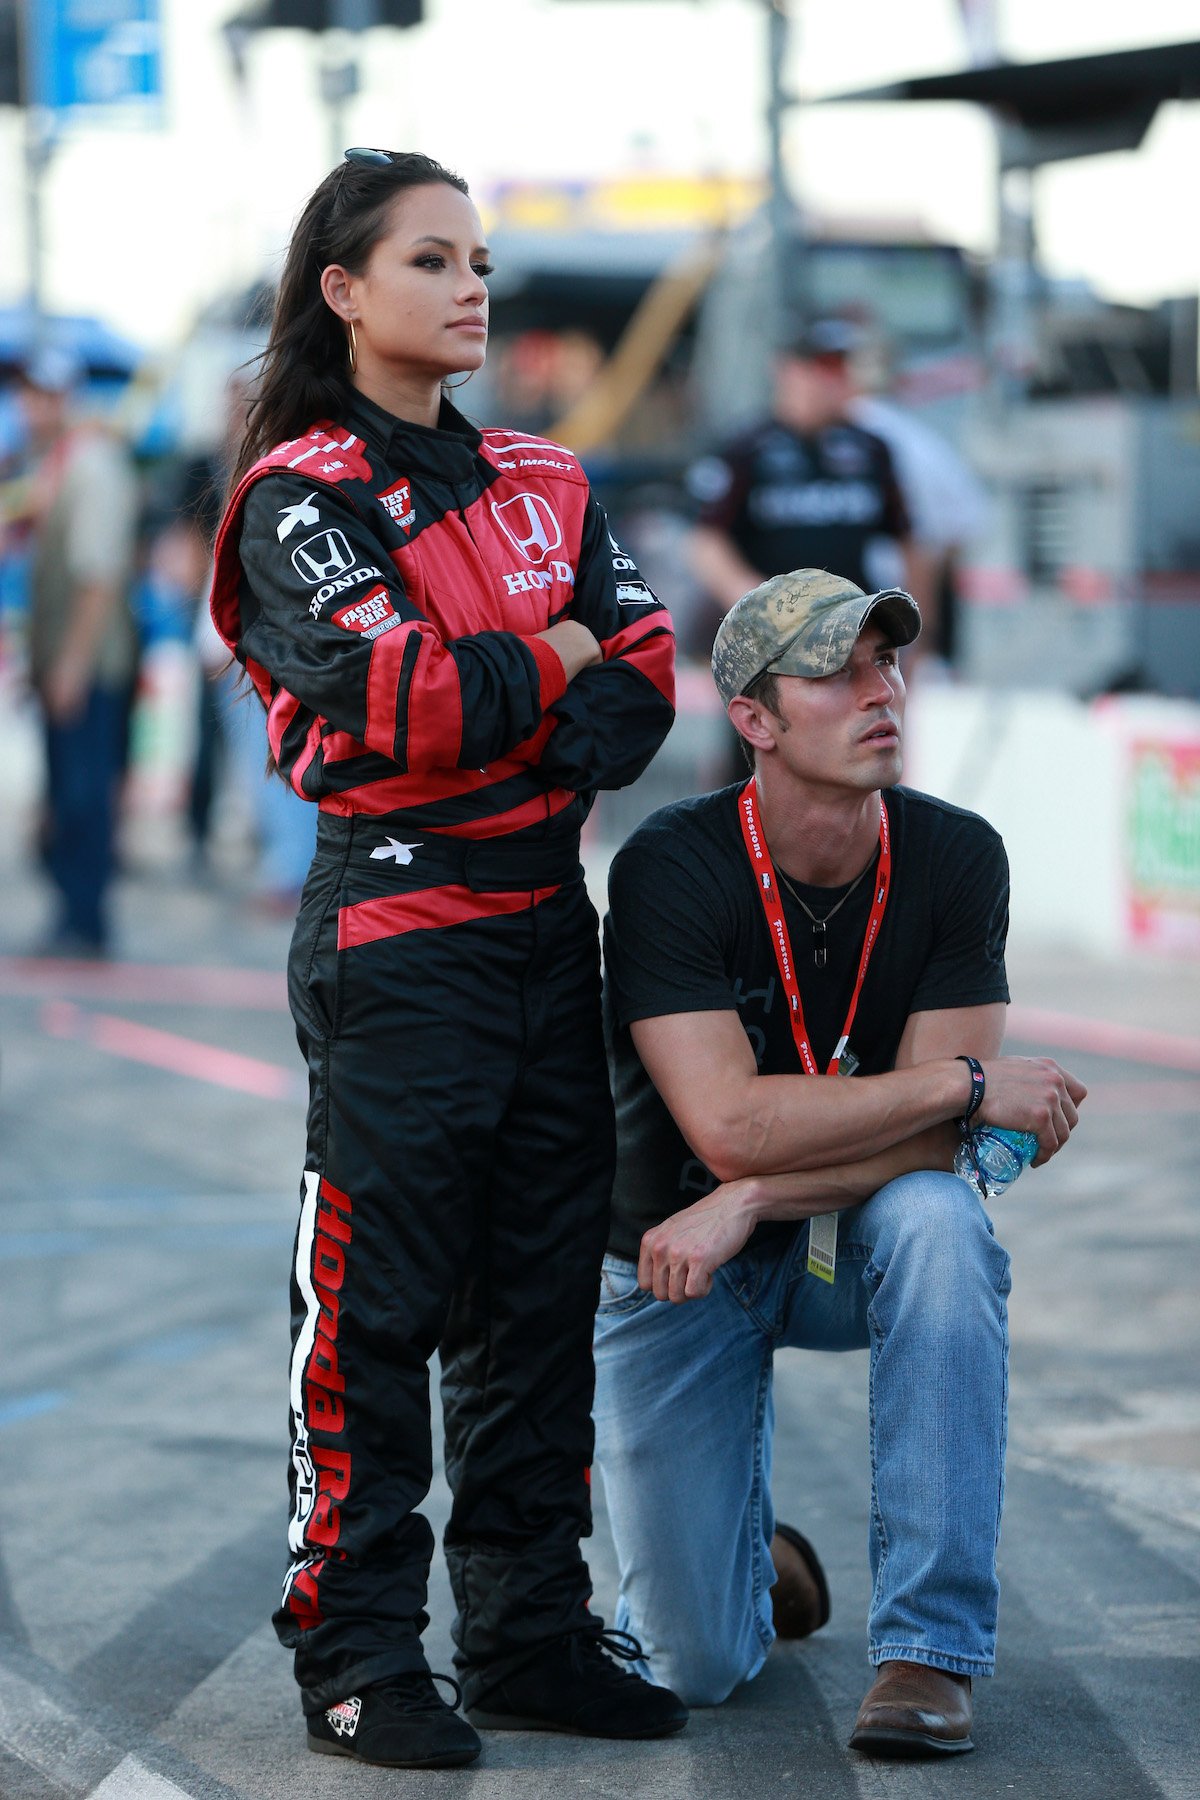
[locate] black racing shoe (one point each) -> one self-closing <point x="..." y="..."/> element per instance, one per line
<point x="573" y="1684"/>
<point x="402" y="1723"/>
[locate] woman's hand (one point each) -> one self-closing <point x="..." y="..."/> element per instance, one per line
<point x="574" y="646"/>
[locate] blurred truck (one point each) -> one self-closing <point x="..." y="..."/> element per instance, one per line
<point x="1088" y="575"/>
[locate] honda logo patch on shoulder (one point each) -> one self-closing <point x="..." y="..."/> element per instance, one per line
<point x="372" y="615"/>
<point x="322" y="557"/>
<point x="344" y="1716"/>
<point x="530" y="524"/>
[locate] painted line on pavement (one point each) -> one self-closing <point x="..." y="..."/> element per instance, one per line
<point x="265" y="990"/>
<point x="256" y="990"/>
<point x="134" y="1781"/>
<point x="1144" y="1096"/>
<point x="164" y="1350"/>
<point x="167" y="1050"/>
<point x="102" y="1240"/>
<point x="19" y="1407"/>
<point x="1104" y="1037"/>
<point x="62" y="1748"/>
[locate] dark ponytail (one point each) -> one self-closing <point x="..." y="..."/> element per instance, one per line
<point x="304" y="372"/>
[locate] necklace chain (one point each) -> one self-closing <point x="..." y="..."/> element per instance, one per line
<point x="820" y="953"/>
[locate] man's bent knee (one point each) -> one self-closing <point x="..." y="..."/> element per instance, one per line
<point x="701" y="1675"/>
<point x="931" y="1210"/>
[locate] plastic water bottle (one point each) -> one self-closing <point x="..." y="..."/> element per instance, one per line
<point x="991" y="1159"/>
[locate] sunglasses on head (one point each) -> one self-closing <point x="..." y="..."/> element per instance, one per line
<point x="374" y="159"/>
<point x="362" y="156"/>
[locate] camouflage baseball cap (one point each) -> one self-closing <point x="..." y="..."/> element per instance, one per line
<point x="804" y="623"/>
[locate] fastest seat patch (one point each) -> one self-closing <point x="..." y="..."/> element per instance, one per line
<point x="372" y="615"/>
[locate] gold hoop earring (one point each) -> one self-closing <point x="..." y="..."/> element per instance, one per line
<point x="353" y="347"/>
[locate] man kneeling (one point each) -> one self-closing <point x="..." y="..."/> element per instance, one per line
<point x="819" y="922"/>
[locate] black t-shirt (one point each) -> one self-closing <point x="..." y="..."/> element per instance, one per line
<point x="826" y="501"/>
<point x="685" y="932"/>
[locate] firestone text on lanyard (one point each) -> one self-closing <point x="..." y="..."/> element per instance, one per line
<point x="822" y="1231"/>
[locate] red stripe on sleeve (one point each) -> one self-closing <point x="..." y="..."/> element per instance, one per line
<point x="648" y="647"/>
<point x="260" y="679"/>
<point x="312" y="743"/>
<point x="282" y="711"/>
<point x="429" y="910"/>
<point x="434" y="735"/>
<point x="621" y="641"/>
<point x="383" y="680"/>
<point x="552" y="677"/>
<point x="340" y="746"/>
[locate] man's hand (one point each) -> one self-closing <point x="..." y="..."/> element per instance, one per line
<point x="679" y="1256"/>
<point x="1031" y="1093"/>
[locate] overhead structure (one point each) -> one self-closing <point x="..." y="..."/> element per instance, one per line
<point x="327" y="15"/>
<point x="345" y="20"/>
<point x="1047" y="112"/>
<point x="1077" y="106"/>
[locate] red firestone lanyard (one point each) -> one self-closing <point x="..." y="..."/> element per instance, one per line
<point x="823" y="1228"/>
<point x="772" y="903"/>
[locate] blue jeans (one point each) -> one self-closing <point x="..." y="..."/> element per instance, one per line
<point x="285" y="824"/>
<point x="83" y="771"/>
<point x="684" y="1423"/>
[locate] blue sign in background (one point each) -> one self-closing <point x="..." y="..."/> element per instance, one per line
<point x="92" y="55"/>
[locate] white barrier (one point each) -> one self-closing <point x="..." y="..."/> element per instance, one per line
<point x="1098" y="804"/>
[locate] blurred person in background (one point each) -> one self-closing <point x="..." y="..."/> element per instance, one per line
<point x="807" y="487"/>
<point x="454" y="656"/>
<point x="81" y="517"/>
<point x="230" y="729"/>
<point x="198" y="504"/>
<point x="946" y="501"/>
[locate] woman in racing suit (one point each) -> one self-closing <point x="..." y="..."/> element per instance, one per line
<point x="454" y="655"/>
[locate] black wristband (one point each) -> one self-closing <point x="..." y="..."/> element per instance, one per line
<point x="978" y="1085"/>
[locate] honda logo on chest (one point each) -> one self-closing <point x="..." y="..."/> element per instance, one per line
<point x="530" y="525"/>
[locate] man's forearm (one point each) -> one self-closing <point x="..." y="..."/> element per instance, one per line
<point x="803" y="1193"/>
<point x="786" y="1123"/>
<point x="741" y="1123"/>
<point x="678" y="1258"/>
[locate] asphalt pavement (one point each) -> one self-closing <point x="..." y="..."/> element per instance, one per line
<point x="151" y="1137"/>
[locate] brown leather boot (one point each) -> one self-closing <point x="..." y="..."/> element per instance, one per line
<point x="913" y="1710"/>
<point x="800" y="1596"/>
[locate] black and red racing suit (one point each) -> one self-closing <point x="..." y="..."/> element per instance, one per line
<point x="383" y="585"/>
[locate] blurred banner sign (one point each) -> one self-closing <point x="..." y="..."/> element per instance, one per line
<point x="97" y="61"/>
<point x="1163" y="845"/>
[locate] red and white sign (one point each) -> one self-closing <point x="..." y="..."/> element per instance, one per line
<point x="1162" y="844"/>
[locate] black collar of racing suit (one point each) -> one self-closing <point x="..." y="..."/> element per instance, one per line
<point x="448" y="448"/>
